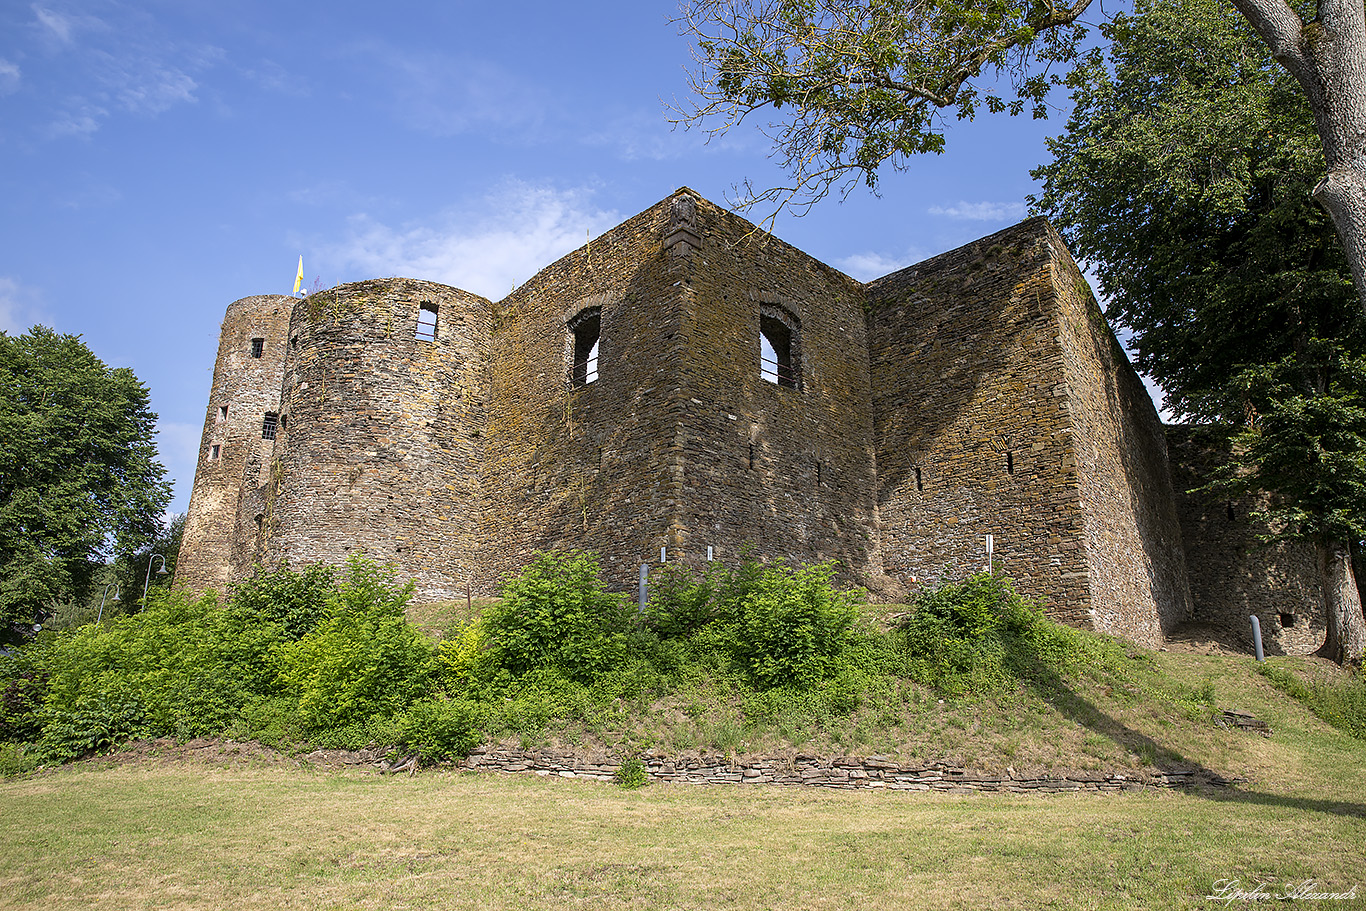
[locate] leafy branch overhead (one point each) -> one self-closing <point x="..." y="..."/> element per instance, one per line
<point x="856" y="85"/>
<point x="853" y="85"/>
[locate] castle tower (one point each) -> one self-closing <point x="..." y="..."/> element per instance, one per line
<point x="380" y="444"/>
<point x="239" y="429"/>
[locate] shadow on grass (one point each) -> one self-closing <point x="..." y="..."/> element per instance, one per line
<point x="1050" y="686"/>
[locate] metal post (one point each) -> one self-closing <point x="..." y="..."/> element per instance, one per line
<point x="644" y="581"/>
<point x="115" y="587"/>
<point x="148" y="581"/>
<point x="1257" y="637"/>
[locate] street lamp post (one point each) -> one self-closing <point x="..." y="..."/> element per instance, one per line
<point x="115" y="587"/>
<point x="148" y="581"/>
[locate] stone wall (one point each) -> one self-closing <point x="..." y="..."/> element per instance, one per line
<point x="216" y="550"/>
<point x="590" y="466"/>
<point x="977" y="393"/>
<point x="1233" y="573"/>
<point x="785" y="469"/>
<point x="973" y="435"/>
<point x="1136" y="573"/>
<point x="845" y="772"/>
<point x="381" y="449"/>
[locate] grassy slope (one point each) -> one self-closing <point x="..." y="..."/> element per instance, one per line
<point x="147" y="834"/>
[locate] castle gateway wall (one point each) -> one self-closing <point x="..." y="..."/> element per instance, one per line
<point x="687" y="382"/>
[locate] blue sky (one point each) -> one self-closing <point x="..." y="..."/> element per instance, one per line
<point x="159" y="160"/>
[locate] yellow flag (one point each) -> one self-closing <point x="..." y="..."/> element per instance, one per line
<point x="299" y="278"/>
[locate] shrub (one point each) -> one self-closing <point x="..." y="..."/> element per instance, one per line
<point x="682" y="601"/>
<point x="793" y="625"/>
<point x="363" y="659"/>
<point x="977" y="636"/>
<point x="631" y="774"/>
<point x="298" y="601"/>
<point x="181" y="667"/>
<point x="1341" y="704"/>
<point x="557" y="614"/>
<point x="443" y="728"/>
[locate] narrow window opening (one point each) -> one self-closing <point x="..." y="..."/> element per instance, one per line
<point x="1287" y="621"/>
<point x="919" y="485"/>
<point x="222" y="413"/>
<point x="258" y="345"/>
<point x="777" y="352"/>
<point x="213" y="452"/>
<point x="426" y="323"/>
<point x="1229" y="510"/>
<point x="751" y="455"/>
<point x="818" y="473"/>
<point x="269" y="425"/>
<point x="294" y="341"/>
<point x="586" y="330"/>
<point x="1010" y="462"/>
<point x="284" y="419"/>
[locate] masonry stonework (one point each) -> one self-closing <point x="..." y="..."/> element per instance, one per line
<point x="617" y="402"/>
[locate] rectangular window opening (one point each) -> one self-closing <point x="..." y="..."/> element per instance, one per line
<point x="586" y="329"/>
<point x="222" y="413"/>
<point x="258" y="346"/>
<point x="919" y="484"/>
<point x="1287" y="621"/>
<point x="1010" y="462"/>
<point x="426" y="323"/>
<point x="776" y="363"/>
<point x="269" y="425"/>
<point x="213" y="452"/>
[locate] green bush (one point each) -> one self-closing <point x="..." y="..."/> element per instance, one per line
<point x="362" y="660"/>
<point x="297" y="601"/>
<point x="1341" y="703"/>
<point x="438" y="729"/>
<point x="182" y="667"/>
<point x="557" y="614"/>
<point x="793" y="626"/>
<point x="976" y="636"/>
<point x="682" y="601"/>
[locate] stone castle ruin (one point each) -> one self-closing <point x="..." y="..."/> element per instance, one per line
<point x="688" y="385"/>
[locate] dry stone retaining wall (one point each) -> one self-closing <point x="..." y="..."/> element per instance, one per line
<point x="870" y="773"/>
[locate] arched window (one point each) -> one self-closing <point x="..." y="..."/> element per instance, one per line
<point x="585" y="331"/>
<point x="779" y="347"/>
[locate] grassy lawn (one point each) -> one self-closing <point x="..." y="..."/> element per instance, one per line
<point x="154" y="834"/>
<point x="167" y="836"/>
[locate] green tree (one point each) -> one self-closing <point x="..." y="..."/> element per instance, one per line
<point x="1183" y="179"/>
<point x="141" y="567"/>
<point x="79" y="479"/>
<point x="858" y="84"/>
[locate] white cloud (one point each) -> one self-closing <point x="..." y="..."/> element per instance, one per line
<point x="9" y="77"/>
<point x="56" y="23"/>
<point x="982" y="211"/>
<point x="512" y="234"/>
<point x="19" y="307"/>
<point x="126" y="62"/>
<point x="868" y="266"/>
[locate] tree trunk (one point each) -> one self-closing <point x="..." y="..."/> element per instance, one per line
<point x="1328" y="58"/>
<point x="1346" y="642"/>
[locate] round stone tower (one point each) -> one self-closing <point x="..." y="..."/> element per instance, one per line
<point x="239" y="430"/>
<point x="379" y="448"/>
